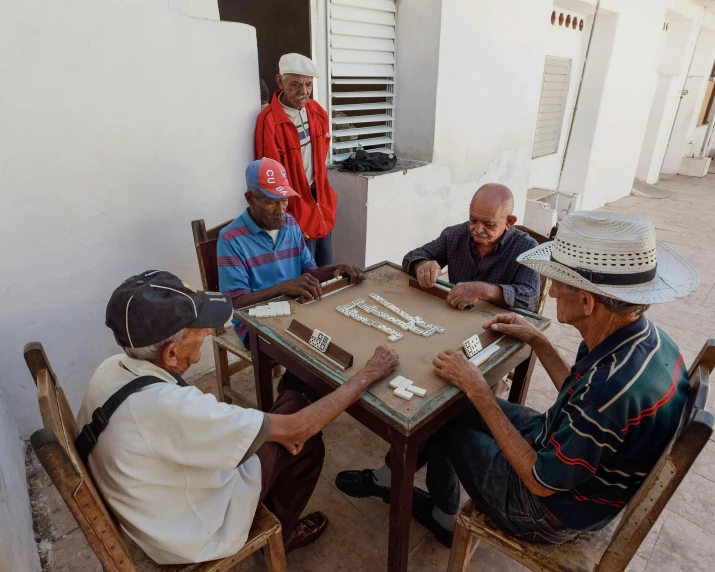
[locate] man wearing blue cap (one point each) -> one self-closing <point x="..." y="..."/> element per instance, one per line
<point x="182" y="472"/>
<point x="262" y="254"/>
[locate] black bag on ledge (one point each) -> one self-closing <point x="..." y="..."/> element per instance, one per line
<point x="362" y="161"/>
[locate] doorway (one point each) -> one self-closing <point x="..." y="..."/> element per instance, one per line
<point x="281" y="27"/>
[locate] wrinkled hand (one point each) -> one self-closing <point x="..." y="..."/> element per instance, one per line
<point x="305" y="285"/>
<point x="457" y="369"/>
<point x="383" y="362"/>
<point x="513" y="325"/>
<point x="293" y="448"/>
<point x="354" y="273"/>
<point x="427" y="273"/>
<point x="464" y="294"/>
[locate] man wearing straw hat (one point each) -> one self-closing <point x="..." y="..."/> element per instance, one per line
<point x="546" y="477"/>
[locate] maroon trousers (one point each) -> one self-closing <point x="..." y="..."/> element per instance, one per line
<point x="288" y="481"/>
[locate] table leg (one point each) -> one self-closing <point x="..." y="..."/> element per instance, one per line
<point x="403" y="463"/>
<point x="262" y="373"/>
<point x="522" y="379"/>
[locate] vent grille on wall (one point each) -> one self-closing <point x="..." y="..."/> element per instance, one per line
<point x="361" y="52"/>
<point x="552" y="105"/>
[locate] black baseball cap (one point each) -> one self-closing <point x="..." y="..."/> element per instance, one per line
<point x="155" y="305"/>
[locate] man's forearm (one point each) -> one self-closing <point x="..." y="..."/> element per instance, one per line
<point x="302" y="425"/>
<point x="491" y="293"/>
<point x="515" y="448"/>
<point x="257" y="296"/>
<point x="551" y="359"/>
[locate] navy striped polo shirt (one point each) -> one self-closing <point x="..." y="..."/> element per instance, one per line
<point x="614" y="416"/>
<point x="249" y="261"/>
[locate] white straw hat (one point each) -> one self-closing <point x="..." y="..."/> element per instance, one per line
<point x="614" y="255"/>
<point x="297" y="64"/>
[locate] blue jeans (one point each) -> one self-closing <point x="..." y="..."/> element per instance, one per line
<point x="465" y="451"/>
<point x="321" y="249"/>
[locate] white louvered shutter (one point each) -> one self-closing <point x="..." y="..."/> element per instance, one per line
<point x="362" y="75"/>
<point x="552" y="106"/>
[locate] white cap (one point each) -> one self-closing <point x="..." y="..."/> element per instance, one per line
<point x="297" y="64"/>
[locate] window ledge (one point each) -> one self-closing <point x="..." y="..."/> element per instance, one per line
<point x="403" y="165"/>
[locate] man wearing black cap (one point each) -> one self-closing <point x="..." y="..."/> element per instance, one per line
<point x="183" y="472"/>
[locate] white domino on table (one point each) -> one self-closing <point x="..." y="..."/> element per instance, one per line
<point x="472" y="346"/>
<point x="271" y="310"/>
<point x="418" y="391"/>
<point x="404" y="394"/>
<point x="320" y="341"/>
<point x="400" y="382"/>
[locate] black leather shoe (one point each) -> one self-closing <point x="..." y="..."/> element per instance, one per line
<point x="361" y="484"/>
<point x="422" y="505"/>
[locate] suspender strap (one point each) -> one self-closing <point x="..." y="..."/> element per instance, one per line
<point x="87" y="438"/>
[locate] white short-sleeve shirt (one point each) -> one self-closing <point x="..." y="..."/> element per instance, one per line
<point x="167" y="464"/>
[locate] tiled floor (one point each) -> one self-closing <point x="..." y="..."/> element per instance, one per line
<point x="682" y="540"/>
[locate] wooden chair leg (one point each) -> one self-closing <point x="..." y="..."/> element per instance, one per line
<point x="222" y="371"/>
<point x="275" y="553"/>
<point x="461" y="551"/>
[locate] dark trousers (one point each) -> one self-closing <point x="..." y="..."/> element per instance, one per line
<point x="465" y="451"/>
<point x="322" y="250"/>
<point x="288" y="481"/>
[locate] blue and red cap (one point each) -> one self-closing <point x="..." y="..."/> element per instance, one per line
<point x="270" y="177"/>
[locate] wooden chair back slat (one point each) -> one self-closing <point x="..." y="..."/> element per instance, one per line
<point x="545" y="282"/>
<point x="55" y="449"/>
<point x="205" y="243"/>
<point x="694" y="431"/>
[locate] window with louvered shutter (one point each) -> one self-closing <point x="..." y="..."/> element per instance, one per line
<point x="361" y="52"/>
<point x="552" y="107"/>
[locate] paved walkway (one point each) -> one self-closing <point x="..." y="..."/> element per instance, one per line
<point x="682" y="540"/>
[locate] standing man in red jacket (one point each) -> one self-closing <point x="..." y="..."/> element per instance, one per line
<point x="295" y="131"/>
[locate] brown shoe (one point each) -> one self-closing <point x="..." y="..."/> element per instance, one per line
<point x="306" y="531"/>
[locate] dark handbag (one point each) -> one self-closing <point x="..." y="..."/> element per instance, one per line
<point x="362" y="161"/>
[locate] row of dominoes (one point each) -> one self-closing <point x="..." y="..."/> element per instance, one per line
<point x="405" y="389"/>
<point x="414" y="324"/>
<point x="323" y="284"/>
<point x="375" y="311"/>
<point x="271" y="310"/>
<point x="350" y="311"/>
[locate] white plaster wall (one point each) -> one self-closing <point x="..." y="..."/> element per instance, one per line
<point x="566" y="43"/>
<point x="121" y="122"/>
<point x="487" y="95"/>
<point x="684" y="126"/>
<point x="18" y="551"/>
<point x="627" y="94"/>
<point x="416" y="77"/>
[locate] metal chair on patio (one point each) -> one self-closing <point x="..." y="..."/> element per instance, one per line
<point x="611" y="549"/>
<point x="54" y="446"/>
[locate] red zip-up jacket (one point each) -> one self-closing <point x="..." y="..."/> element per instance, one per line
<point x="277" y="138"/>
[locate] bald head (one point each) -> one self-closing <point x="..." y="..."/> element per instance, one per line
<point x="494" y="194"/>
<point x="491" y="214"/>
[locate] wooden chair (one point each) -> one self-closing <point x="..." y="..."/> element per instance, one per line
<point x="545" y="282"/>
<point x="611" y="549"/>
<point x="224" y="341"/>
<point x="518" y="391"/>
<point x="54" y="446"/>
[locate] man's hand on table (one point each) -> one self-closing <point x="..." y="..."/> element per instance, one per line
<point x="305" y="285"/>
<point x="467" y="293"/>
<point x="382" y="363"/>
<point x="354" y="273"/>
<point x="427" y="273"/>
<point x="513" y="325"/>
<point x="459" y="371"/>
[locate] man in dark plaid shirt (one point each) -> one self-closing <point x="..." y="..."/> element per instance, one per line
<point x="481" y="254"/>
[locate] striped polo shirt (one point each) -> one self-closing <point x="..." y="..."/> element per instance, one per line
<point x="248" y="259"/>
<point x="614" y="416"/>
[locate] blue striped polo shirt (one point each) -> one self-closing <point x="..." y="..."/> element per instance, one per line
<point x="614" y="416"/>
<point x="249" y="261"/>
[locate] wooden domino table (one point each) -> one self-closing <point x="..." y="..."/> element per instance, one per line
<point x="404" y="424"/>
